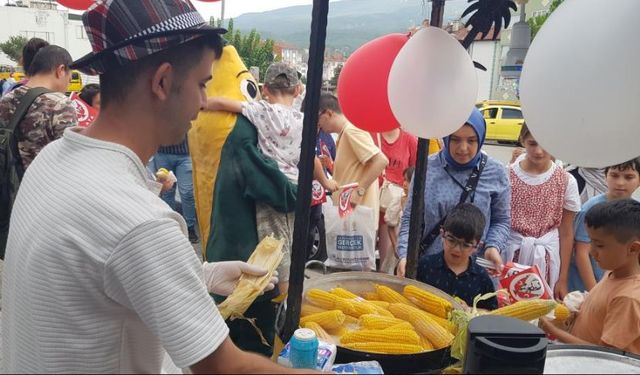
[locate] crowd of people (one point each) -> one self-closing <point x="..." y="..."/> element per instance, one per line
<point x="96" y="259"/>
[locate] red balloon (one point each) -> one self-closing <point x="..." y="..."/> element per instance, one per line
<point x="362" y="85"/>
<point x="76" y="4"/>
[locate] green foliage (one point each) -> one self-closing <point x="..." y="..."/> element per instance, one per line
<point x="253" y="50"/>
<point x="536" y="22"/>
<point x="13" y="47"/>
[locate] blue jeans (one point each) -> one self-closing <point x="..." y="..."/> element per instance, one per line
<point x="181" y="167"/>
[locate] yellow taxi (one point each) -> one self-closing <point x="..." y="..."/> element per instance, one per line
<point x="76" y="82"/>
<point x="504" y="119"/>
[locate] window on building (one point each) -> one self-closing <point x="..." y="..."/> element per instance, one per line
<point x="490" y="113"/>
<point x="80" y="34"/>
<point x="49" y="37"/>
<point x="509" y="113"/>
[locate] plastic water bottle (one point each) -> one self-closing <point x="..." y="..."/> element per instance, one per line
<point x="304" y="349"/>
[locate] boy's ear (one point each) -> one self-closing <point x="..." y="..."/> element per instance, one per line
<point x="634" y="248"/>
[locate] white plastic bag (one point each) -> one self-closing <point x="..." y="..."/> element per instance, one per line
<point x="351" y="241"/>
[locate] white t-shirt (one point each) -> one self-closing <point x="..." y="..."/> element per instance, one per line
<point x="279" y="133"/>
<point x="99" y="276"/>
<point x="572" y="201"/>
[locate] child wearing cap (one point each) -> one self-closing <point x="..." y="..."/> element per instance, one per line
<point x="279" y="127"/>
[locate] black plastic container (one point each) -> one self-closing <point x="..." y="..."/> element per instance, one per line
<point x="420" y="363"/>
<point x="501" y="345"/>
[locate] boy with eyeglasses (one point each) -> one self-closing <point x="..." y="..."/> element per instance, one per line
<point x="454" y="271"/>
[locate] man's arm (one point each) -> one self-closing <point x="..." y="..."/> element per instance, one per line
<point x="499" y="222"/>
<point x="372" y="170"/>
<point x="228" y="359"/>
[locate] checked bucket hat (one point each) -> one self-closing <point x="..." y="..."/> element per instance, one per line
<point x="123" y="31"/>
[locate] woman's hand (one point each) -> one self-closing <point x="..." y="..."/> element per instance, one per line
<point x="492" y="254"/>
<point x="402" y="266"/>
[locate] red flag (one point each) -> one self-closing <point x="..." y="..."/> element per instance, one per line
<point x="318" y="195"/>
<point x="344" y="203"/>
<point x="324" y="150"/>
<point x="85" y="113"/>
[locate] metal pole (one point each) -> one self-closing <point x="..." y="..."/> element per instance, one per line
<point x="307" y="155"/>
<point x="222" y="12"/>
<point x="416" y="222"/>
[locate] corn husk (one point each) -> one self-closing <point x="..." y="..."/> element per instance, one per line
<point x="268" y="255"/>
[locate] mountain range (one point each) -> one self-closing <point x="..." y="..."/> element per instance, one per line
<point x="351" y="22"/>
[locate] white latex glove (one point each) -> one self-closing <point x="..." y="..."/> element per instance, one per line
<point x="221" y="278"/>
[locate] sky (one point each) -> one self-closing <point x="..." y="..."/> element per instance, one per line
<point x="234" y="8"/>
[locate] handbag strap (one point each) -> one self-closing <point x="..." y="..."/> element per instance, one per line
<point x="21" y="111"/>
<point x="470" y="188"/>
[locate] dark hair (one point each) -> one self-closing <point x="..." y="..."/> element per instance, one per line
<point x="620" y="218"/>
<point x="116" y="81"/>
<point x="48" y="59"/>
<point x="408" y="173"/>
<point x="329" y="102"/>
<point x="89" y="92"/>
<point x="465" y="221"/>
<point x="280" y="86"/>
<point x="524" y="132"/>
<point x="29" y="51"/>
<point x="633" y="164"/>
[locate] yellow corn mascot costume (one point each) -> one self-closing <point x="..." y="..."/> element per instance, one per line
<point x="230" y="176"/>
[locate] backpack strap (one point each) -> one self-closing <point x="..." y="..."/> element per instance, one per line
<point x="21" y="111"/>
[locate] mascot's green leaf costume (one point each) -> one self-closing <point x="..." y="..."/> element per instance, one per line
<point x="230" y="176"/>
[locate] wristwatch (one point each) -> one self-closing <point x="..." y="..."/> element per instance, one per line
<point x="361" y="191"/>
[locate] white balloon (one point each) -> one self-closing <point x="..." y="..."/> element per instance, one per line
<point x="432" y="84"/>
<point x="580" y="83"/>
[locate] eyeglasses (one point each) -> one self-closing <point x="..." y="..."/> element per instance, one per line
<point x="456" y="242"/>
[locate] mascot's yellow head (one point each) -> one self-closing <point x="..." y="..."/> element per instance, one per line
<point x="210" y="130"/>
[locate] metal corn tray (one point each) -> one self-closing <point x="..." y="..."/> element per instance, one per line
<point x="360" y="282"/>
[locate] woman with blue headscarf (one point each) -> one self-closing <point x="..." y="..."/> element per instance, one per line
<point x="449" y="174"/>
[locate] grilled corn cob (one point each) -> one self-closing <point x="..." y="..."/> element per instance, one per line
<point x="527" y="310"/>
<point x="386" y="336"/>
<point x="328" y="320"/>
<point x="561" y="312"/>
<point x="320" y="332"/>
<point x="383" y="347"/>
<point x="427" y="301"/>
<point x="389" y="295"/>
<point x="423" y="323"/>
<point x="372" y="321"/>
<point x="371" y="296"/>
<point x="268" y="255"/>
<point x="329" y="301"/>
<point x="308" y="309"/>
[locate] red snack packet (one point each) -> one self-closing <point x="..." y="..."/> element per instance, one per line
<point x="318" y="195"/>
<point x="344" y="203"/>
<point x="84" y="112"/>
<point x="524" y="282"/>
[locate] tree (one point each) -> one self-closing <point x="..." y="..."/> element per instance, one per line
<point x="336" y="75"/>
<point x="536" y="22"/>
<point x="13" y="47"/>
<point x="253" y="50"/>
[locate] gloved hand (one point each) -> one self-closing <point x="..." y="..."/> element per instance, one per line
<point x="221" y="278"/>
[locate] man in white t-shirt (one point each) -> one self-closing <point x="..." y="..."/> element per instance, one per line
<point x="99" y="275"/>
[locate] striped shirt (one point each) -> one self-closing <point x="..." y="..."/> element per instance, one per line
<point x="99" y="276"/>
